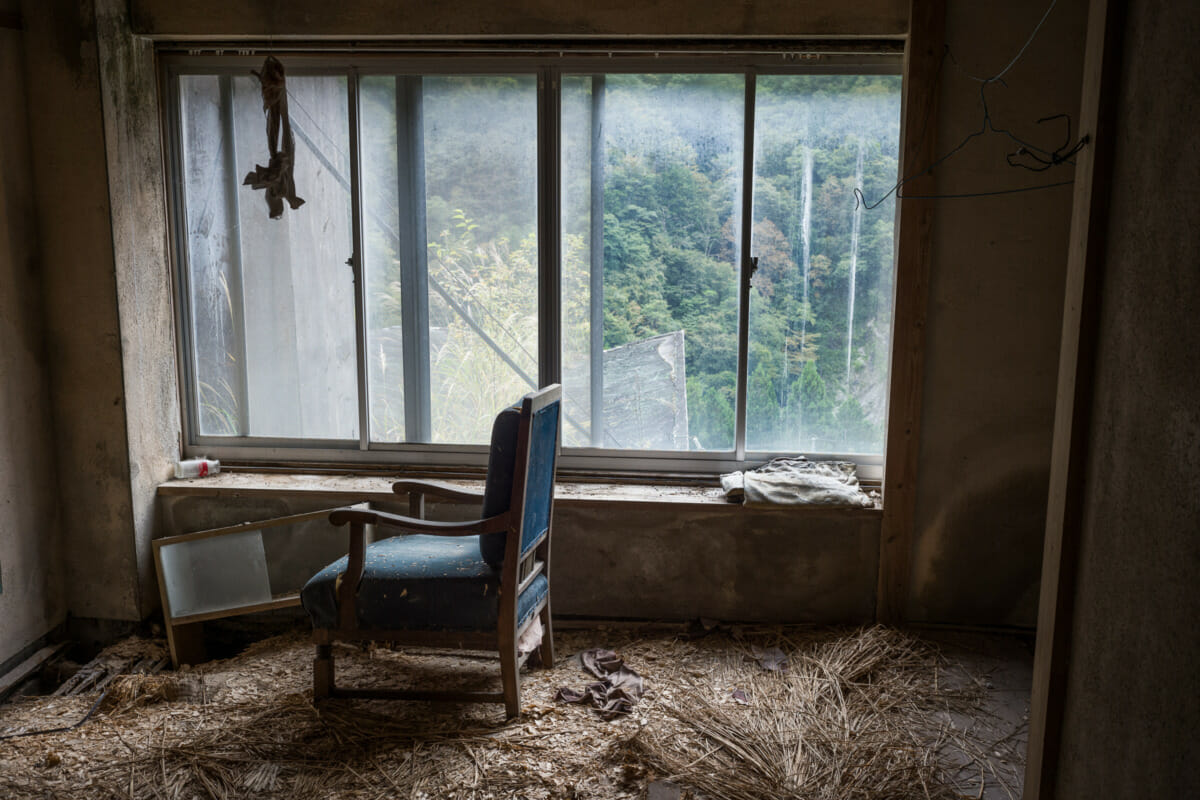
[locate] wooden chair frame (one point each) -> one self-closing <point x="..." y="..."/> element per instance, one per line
<point x="516" y="574"/>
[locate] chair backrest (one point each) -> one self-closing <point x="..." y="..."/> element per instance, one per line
<point x="521" y="467"/>
<point x="541" y="461"/>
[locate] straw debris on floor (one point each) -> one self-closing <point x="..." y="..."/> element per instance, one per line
<point x="738" y="713"/>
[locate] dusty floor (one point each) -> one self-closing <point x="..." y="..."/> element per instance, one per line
<point x="246" y="726"/>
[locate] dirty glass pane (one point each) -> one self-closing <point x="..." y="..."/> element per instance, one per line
<point x="230" y="569"/>
<point x="271" y="301"/>
<point x="480" y="175"/>
<point x="212" y="253"/>
<point x="202" y="576"/>
<point x="382" y="226"/>
<point x="821" y="300"/>
<point x="450" y="214"/>
<point x="667" y="150"/>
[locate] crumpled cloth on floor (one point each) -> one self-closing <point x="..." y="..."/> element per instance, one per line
<point x="797" y="481"/>
<point x="617" y="691"/>
<point x="276" y="177"/>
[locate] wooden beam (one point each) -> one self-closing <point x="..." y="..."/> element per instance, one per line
<point x="1072" y="415"/>
<point x="914" y="219"/>
<point x="372" y="19"/>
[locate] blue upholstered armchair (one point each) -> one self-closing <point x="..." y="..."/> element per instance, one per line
<point x="477" y="584"/>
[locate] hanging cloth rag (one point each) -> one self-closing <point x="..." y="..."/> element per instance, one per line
<point x="276" y="177"/>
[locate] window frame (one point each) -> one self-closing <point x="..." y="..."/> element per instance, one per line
<point x="548" y="66"/>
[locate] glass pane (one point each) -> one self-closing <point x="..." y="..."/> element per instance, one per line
<point x="820" y="306"/>
<point x="215" y="574"/>
<point x="450" y="214"/>
<point x="382" y="219"/>
<point x="271" y="300"/>
<point x="667" y="151"/>
<point x="213" y="256"/>
<point x="480" y="154"/>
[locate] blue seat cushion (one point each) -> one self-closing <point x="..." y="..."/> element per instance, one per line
<point x="420" y="582"/>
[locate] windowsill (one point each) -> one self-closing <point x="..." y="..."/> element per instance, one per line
<point x="358" y="488"/>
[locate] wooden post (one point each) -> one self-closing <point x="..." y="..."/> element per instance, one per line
<point x="1072" y="413"/>
<point x="922" y="57"/>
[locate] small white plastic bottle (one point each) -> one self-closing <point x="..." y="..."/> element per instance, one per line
<point x="197" y="468"/>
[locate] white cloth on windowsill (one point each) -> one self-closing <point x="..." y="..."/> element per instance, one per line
<point x="797" y="481"/>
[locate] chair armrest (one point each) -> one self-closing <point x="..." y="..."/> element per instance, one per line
<point x="438" y="489"/>
<point x="493" y="524"/>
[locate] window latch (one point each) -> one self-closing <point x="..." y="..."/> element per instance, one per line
<point x="753" y="265"/>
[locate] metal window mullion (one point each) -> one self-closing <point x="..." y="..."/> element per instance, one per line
<point x="237" y="294"/>
<point x="356" y="261"/>
<point x="186" y="369"/>
<point x="414" y="257"/>
<point x="746" y="268"/>
<point x="549" y="155"/>
<point x="596" y="265"/>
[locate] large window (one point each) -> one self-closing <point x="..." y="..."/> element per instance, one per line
<point x="676" y="241"/>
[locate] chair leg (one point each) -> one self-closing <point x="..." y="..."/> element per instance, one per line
<point x="546" y="650"/>
<point x="511" y="680"/>
<point x="323" y="672"/>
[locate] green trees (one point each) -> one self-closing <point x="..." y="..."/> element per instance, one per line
<point x="671" y="241"/>
<point x="667" y="267"/>
<point x="651" y="204"/>
<point x="671" y="159"/>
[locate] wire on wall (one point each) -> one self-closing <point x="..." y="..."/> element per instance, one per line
<point x="1026" y="155"/>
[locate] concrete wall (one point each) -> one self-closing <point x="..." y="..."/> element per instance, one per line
<point x="994" y="299"/>
<point x="685" y="558"/>
<point x="717" y="561"/>
<point x="31" y="600"/>
<point x="137" y="200"/>
<point x="1131" y="708"/>
<point x="83" y="333"/>
<point x="110" y="351"/>
<point x="994" y="319"/>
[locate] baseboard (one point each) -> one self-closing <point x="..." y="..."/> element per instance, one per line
<point x="53" y="636"/>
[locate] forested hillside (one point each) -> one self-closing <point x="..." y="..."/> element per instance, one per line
<point x="651" y="179"/>
<point x="821" y="298"/>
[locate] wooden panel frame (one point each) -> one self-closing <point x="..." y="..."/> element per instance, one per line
<point x="914" y="220"/>
<point x="185" y="632"/>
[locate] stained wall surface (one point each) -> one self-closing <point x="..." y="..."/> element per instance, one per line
<point x="83" y="341"/>
<point x="994" y="316"/>
<point x="137" y="199"/>
<point x="31" y="599"/>
<point x="657" y="561"/>
<point x="1131" y="709"/>
<point x="615" y="558"/>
